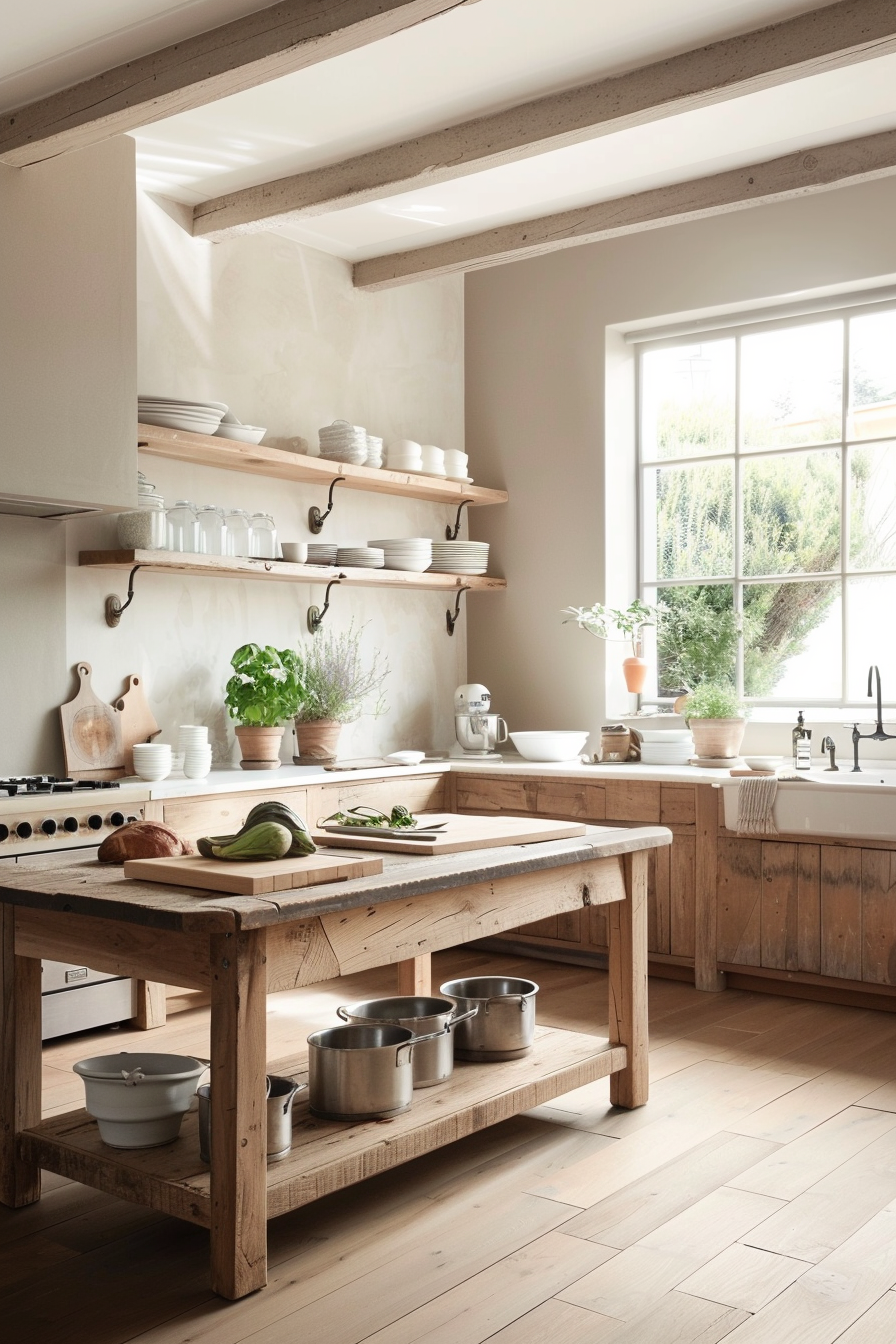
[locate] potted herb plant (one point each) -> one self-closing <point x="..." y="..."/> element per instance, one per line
<point x="265" y="689"/>
<point x="600" y="621"/>
<point x="338" y="683"/>
<point x="717" y="719"/>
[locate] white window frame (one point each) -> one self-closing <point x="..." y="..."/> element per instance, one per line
<point x="646" y="588"/>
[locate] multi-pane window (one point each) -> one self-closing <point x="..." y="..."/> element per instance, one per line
<point x="767" y="459"/>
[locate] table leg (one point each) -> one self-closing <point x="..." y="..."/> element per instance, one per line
<point x="628" y="983"/>
<point x="238" y="1113"/>
<point x="20" y="1064"/>
<point x="415" y="976"/>
<point x="150" y="1008"/>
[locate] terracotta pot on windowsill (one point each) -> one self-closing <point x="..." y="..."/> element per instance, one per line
<point x="317" y="740"/>
<point x="260" y="746"/>
<point x="635" y="672"/>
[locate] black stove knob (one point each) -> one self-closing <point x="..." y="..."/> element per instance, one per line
<point x="95" y="821"/>
<point x="24" y="830"/>
<point x="48" y="826"/>
<point x="4" y="832"/>
<point x="116" y="818"/>
<point x="70" y="824"/>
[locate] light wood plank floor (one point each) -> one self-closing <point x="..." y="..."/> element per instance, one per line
<point x="752" y="1200"/>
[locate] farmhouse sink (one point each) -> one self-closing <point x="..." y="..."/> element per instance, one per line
<point x="862" y="805"/>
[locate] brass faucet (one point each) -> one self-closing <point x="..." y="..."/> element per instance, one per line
<point x="878" y="735"/>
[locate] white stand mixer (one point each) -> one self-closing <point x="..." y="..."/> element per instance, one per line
<point x="478" y="731"/>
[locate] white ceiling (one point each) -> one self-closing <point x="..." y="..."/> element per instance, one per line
<point x="473" y="60"/>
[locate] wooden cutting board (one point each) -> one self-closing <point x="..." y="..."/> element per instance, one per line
<point x="137" y="721"/>
<point x="251" y="879"/>
<point x="91" y="733"/>
<point x="461" y="833"/>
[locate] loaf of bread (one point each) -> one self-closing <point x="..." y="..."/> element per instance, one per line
<point x="142" y="840"/>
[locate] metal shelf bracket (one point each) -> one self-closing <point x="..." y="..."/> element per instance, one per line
<point x="316" y="519"/>
<point x="315" y="617"/>
<point x="114" y="605"/>
<point x="451" y="533"/>
<point x="451" y="619"/>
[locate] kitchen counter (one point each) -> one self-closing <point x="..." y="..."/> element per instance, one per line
<point x="242" y="948"/>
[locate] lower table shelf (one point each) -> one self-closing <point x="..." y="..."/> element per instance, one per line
<point x="327" y="1155"/>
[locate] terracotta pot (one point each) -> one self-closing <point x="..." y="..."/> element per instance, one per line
<point x="260" y="747"/>
<point x="635" y="672"/>
<point x="717" y="737"/>
<point x="317" y="740"/>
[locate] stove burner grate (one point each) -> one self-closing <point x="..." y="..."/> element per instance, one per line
<point x="24" y="784"/>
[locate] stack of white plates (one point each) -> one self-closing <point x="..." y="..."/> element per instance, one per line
<point x="410" y="553"/>
<point x="197" y="417"/>
<point x="672" y="746"/>
<point x="342" y="442"/>
<point x="459" y="557"/>
<point x="374" y="451"/>
<point x="321" y="553"/>
<point x="363" y="557"/>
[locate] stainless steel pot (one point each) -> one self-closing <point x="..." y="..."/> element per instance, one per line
<point x="361" y="1072"/>
<point x="280" y="1094"/>
<point x="433" y="1062"/>
<point x="504" y="1027"/>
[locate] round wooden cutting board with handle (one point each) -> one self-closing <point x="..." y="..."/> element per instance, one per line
<point x="91" y="732"/>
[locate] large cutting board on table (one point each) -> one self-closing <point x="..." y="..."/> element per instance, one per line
<point x="460" y="834"/>
<point x="251" y="879"/>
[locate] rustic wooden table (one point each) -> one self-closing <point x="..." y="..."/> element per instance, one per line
<point x="242" y="948"/>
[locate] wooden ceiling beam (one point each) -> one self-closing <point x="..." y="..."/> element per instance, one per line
<point x="802" y="174"/>
<point x="836" y="35"/>
<point x="259" y="47"/>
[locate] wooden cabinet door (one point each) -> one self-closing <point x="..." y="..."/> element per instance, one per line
<point x="879" y="916"/>
<point x="490" y="793"/>
<point x="790" y="906"/>
<point x="634" y="800"/>
<point x="739" y="896"/>
<point x="420" y="793"/>
<point x="682" y="895"/>
<point x="570" y="799"/>
<point x="841" y="912"/>
<point x="225" y="813"/>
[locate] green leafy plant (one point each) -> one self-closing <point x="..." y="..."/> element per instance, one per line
<point x="714" y="700"/>
<point x="266" y="686"/>
<point x="629" y="622"/>
<point x="337" y="680"/>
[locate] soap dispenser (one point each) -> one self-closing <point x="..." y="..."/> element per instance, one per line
<point x="802" y="744"/>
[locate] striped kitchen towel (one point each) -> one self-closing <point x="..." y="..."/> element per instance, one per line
<point x="755" y="802"/>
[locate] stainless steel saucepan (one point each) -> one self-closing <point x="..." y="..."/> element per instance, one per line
<point x="504" y="1027"/>
<point x="433" y="1062"/>
<point x="362" y="1072"/>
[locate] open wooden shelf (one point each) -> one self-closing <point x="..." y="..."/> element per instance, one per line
<point x="326" y="1155"/>
<point x="238" y="567"/>
<point x="210" y="451"/>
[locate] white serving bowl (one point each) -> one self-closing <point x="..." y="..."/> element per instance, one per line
<point x="242" y="433"/>
<point x="550" y="746"/>
<point x="763" y="762"/>
<point x="146" y="1110"/>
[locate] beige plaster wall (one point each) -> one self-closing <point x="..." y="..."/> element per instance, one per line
<point x="550" y="415"/>
<point x="277" y="331"/>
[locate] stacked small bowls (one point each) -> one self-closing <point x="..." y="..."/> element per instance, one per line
<point x="456" y="465"/>
<point x="433" y="460"/>
<point x="404" y="455"/>
<point x="374" y="451"/>
<point x="193" y="742"/>
<point x="409" y="553"/>
<point x="152" y="760"/>
<point x="343" y="442"/>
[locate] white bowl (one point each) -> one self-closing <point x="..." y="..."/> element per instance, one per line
<point x="144" y="1113"/>
<point x="406" y="757"/>
<point x="152" y="774"/>
<point x="763" y="762"/>
<point x="295" y="551"/>
<point x="242" y="433"/>
<point x="550" y="746"/>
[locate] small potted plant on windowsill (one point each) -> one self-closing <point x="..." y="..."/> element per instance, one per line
<point x="338" y="682"/>
<point x="600" y="621"/>
<point x="265" y="689"/>
<point x="717" y="719"/>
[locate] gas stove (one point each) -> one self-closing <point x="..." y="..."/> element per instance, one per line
<point x="17" y="784"/>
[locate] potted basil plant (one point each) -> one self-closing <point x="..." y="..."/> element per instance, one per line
<point x="266" y="688"/>
<point x="600" y="621"/>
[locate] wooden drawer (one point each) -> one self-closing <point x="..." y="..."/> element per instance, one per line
<point x="568" y="798"/>
<point x="420" y="793"/>
<point x="488" y="793"/>
<point x="678" y="805"/>
<point x="224" y="814"/>
<point x="633" y="800"/>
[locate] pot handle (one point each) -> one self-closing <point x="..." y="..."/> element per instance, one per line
<point x="462" y="1017"/>
<point x="507" y="998"/>
<point x="342" y="1014"/>
<point x="418" y="1040"/>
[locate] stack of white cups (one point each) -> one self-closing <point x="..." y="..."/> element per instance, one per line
<point x="152" y="760"/>
<point x="193" y="742"/>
